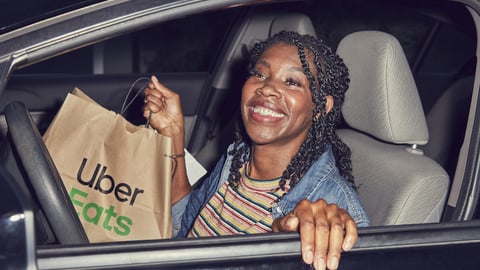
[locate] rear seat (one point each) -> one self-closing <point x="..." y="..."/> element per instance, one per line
<point x="447" y="121"/>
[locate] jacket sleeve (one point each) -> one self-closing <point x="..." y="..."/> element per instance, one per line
<point x="177" y="213"/>
<point x="185" y="211"/>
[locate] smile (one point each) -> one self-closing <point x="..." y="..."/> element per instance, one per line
<point x="266" y="112"/>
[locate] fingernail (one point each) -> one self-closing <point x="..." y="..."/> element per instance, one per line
<point x="347" y="245"/>
<point x="320" y="264"/>
<point x="289" y="223"/>
<point x="308" y="257"/>
<point x="333" y="263"/>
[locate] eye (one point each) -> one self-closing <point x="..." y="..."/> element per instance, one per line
<point x="292" y="82"/>
<point x="257" y="74"/>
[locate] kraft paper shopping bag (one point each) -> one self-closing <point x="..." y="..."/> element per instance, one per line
<point x="118" y="175"/>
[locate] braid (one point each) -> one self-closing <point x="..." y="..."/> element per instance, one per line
<point x="328" y="76"/>
<point x="240" y="151"/>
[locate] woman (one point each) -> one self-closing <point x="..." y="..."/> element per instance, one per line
<point x="286" y="170"/>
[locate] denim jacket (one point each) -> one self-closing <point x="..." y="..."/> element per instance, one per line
<point x="321" y="181"/>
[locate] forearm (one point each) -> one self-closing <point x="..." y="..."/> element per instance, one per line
<point x="180" y="184"/>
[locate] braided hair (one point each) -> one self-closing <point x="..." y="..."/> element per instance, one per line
<point x="331" y="79"/>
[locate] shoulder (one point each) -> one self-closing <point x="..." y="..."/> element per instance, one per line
<point x="323" y="181"/>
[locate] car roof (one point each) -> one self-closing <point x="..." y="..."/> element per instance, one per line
<point x="25" y="12"/>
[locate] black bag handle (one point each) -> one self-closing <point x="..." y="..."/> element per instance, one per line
<point x="126" y="103"/>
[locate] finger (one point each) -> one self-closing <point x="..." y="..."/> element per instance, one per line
<point x="162" y="88"/>
<point x="152" y="91"/>
<point x="288" y="223"/>
<point x="335" y="238"/>
<point x="157" y="100"/>
<point x="150" y="108"/>
<point x="351" y="232"/>
<point x="306" y="228"/>
<point x="152" y="95"/>
<point x="321" y="235"/>
<point x="146" y="112"/>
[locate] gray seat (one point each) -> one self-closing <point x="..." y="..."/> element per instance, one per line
<point x="297" y="22"/>
<point x="397" y="184"/>
<point x="447" y="120"/>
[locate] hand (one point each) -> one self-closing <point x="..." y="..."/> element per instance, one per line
<point x="165" y="108"/>
<point x="321" y="227"/>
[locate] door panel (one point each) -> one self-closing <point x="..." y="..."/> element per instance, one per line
<point x="44" y="94"/>
<point x="428" y="246"/>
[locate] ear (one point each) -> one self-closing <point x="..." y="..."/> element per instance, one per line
<point x="328" y="107"/>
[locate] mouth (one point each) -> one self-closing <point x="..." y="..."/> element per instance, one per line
<point x="262" y="111"/>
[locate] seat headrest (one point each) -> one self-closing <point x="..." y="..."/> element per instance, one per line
<point x="382" y="99"/>
<point x="296" y="22"/>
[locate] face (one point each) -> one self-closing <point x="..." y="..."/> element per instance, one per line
<point x="277" y="105"/>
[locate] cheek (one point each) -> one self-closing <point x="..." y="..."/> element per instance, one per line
<point x="302" y="106"/>
<point x="246" y="94"/>
<point x="247" y="90"/>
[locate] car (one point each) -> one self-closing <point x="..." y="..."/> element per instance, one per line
<point x="414" y="72"/>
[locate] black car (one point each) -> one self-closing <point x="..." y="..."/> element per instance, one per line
<point x="411" y="121"/>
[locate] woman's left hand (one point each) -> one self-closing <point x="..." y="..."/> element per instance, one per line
<point x="324" y="229"/>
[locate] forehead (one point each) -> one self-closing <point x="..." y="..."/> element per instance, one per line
<point x="289" y="52"/>
<point x="279" y="54"/>
<point x="281" y="48"/>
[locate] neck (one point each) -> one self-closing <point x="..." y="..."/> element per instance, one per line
<point x="269" y="162"/>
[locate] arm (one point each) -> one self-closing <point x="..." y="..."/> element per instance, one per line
<point x="163" y="108"/>
<point x="324" y="231"/>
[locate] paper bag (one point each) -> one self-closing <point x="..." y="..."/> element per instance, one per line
<point x="118" y="175"/>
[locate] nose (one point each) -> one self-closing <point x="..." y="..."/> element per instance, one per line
<point x="268" y="90"/>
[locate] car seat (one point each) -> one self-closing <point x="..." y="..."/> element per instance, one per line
<point x="447" y="120"/>
<point x="396" y="182"/>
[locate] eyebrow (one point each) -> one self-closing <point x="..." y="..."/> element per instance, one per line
<point x="266" y="64"/>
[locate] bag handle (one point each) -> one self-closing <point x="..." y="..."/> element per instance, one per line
<point x="129" y="103"/>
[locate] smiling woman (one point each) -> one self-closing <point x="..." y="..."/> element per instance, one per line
<point x="283" y="177"/>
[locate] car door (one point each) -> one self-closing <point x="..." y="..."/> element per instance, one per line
<point x="444" y="246"/>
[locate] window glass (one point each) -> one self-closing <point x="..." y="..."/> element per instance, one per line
<point x="184" y="45"/>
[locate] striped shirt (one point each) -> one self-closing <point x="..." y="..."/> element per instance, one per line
<point x="245" y="210"/>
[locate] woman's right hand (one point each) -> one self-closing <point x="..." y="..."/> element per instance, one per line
<point x="163" y="108"/>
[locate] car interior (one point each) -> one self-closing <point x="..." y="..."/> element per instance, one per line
<point x="403" y="123"/>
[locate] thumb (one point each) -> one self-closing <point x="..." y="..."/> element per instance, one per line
<point x="166" y="92"/>
<point x="288" y="223"/>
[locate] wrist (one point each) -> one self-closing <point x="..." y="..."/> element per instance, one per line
<point x="173" y="131"/>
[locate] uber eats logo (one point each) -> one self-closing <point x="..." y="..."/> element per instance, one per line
<point x="100" y="181"/>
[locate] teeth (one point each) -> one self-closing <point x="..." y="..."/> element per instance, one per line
<point x="266" y="112"/>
